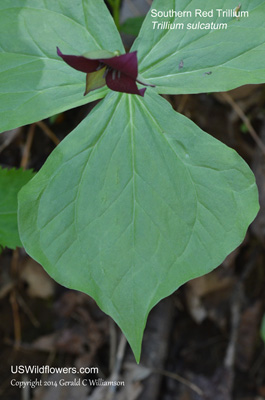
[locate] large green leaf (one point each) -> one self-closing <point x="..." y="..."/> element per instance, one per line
<point x="133" y="204"/>
<point x="11" y="181"/>
<point x="34" y="82"/>
<point x="194" y="61"/>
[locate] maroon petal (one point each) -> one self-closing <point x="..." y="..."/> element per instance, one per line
<point x="80" y="63"/>
<point x="126" y="63"/>
<point x="120" y="82"/>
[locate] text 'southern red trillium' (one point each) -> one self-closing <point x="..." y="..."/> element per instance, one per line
<point x="118" y="72"/>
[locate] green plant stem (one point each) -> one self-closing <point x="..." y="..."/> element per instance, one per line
<point x="115" y="5"/>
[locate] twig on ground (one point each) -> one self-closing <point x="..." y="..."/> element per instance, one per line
<point x="180" y="379"/>
<point x="116" y="371"/>
<point x="236" y="316"/>
<point x="48" y="132"/>
<point x="113" y="344"/>
<point x="183" y="101"/>
<point x="26" y="150"/>
<point x="27" y="311"/>
<point x="229" y="360"/>
<point x="6" y="289"/>
<point x="16" y="319"/>
<point x="245" y="119"/>
<point x="156" y="344"/>
<point x="14" y="264"/>
<point x="8" y="137"/>
<point x="13" y="299"/>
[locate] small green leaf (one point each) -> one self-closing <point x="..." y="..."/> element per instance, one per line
<point x="202" y="60"/>
<point x="243" y="128"/>
<point x="95" y="80"/>
<point x="132" y="26"/>
<point x="130" y="206"/>
<point x="11" y="181"/>
<point x="36" y="83"/>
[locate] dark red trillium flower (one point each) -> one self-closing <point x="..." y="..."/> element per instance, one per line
<point x="118" y="72"/>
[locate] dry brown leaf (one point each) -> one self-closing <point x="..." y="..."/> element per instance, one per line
<point x="39" y="283"/>
<point x="69" y="341"/>
<point x="214" y="284"/>
<point x="240" y="93"/>
<point x="45" y="343"/>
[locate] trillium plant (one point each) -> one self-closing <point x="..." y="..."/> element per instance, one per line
<point x="137" y="200"/>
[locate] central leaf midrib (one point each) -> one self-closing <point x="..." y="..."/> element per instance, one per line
<point x="84" y="27"/>
<point x="133" y="166"/>
<point x="132" y="269"/>
<point x="144" y="107"/>
<point x="103" y="132"/>
<point x="155" y="64"/>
